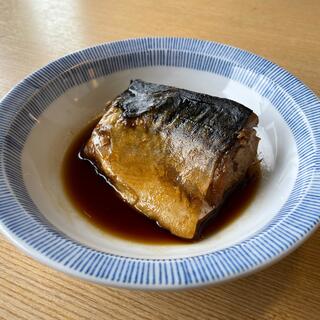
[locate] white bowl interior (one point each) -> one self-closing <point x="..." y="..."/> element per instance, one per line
<point x="66" y="116"/>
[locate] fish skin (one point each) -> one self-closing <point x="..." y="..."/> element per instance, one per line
<point x="213" y="118"/>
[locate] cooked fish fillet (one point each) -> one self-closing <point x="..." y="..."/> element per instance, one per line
<point x="173" y="154"/>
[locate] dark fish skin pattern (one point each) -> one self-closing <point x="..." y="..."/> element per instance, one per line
<point x="211" y="119"/>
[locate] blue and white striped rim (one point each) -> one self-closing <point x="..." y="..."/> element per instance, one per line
<point x="22" y="222"/>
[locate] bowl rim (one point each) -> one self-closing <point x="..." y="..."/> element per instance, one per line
<point x="185" y="272"/>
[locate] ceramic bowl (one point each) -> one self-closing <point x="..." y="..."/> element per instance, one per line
<point x="42" y="114"/>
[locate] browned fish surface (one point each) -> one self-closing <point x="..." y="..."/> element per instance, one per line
<point x="173" y="154"/>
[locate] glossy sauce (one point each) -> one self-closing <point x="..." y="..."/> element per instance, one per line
<point x="96" y="200"/>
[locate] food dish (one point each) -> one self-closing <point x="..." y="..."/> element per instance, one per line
<point x="173" y="154"/>
<point x="41" y="115"/>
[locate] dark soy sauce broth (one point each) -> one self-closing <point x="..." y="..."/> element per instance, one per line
<point x="99" y="203"/>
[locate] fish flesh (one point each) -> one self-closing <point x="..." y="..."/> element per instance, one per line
<point x="173" y="154"/>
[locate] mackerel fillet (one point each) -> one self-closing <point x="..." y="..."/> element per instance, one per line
<point x="173" y="154"/>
